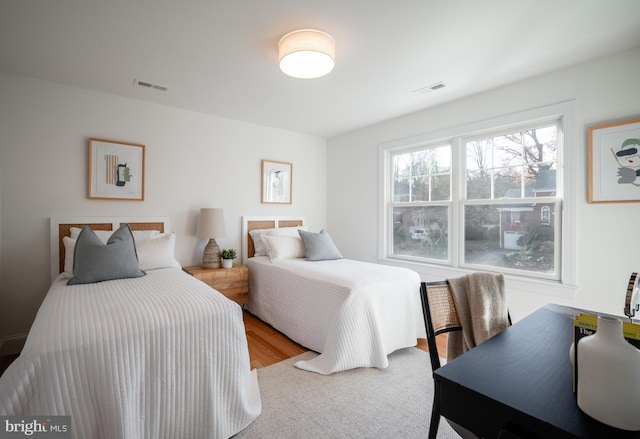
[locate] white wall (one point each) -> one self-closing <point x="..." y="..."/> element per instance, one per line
<point x="193" y="160"/>
<point x="608" y="236"/>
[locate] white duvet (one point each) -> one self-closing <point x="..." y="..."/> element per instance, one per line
<point x="353" y="313"/>
<point x="161" y="356"/>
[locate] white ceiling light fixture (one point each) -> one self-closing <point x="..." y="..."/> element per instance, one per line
<point x="306" y="53"/>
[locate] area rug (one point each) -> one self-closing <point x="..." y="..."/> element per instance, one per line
<point x="361" y="403"/>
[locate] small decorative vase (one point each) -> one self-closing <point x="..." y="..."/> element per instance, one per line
<point x="227" y="263"/>
<point x="609" y="376"/>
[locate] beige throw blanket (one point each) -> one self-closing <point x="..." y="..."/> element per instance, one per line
<point x="481" y="304"/>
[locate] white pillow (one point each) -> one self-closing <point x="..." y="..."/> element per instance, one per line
<point x="259" y="248"/>
<point x="104" y="235"/>
<point x="258" y="245"/>
<point x="69" y="246"/>
<point x="283" y="247"/>
<point x="157" y="253"/>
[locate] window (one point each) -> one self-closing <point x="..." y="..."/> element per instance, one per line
<point x="510" y="177"/>
<point x="482" y="199"/>
<point x="421" y="194"/>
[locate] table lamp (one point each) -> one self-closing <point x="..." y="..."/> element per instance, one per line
<point x="210" y="226"/>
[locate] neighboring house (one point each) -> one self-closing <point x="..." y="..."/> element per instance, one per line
<point x="516" y="218"/>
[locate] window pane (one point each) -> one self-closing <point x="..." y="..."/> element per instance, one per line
<point x="544" y="184"/>
<point x="401" y="190"/>
<point x="508" y="183"/>
<point x="508" y="150"/>
<point x="478" y="185"/>
<point x="441" y="160"/>
<point x="441" y="187"/>
<point x="440" y="170"/>
<point x="420" y="189"/>
<point x="520" y="162"/>
<point x="516" y="236"/>
<point x="540" y="144"/>
<point x="401" y="166"/>
<point x="421" y="231"/>
<point x="479" y="154"/>
<point x="422" y="176"/>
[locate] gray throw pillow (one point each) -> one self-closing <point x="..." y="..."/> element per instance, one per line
<point x="319" y="246"/>
<point x="93" y="261"/>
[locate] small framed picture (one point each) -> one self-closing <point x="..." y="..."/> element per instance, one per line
<point x="614" y="162"/>
<point x="276" y="182"/>
<point x="116" y="170"/>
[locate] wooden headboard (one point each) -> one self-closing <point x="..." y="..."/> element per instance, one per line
<point x="250" y="223"/>
<point x="61" y="227"/>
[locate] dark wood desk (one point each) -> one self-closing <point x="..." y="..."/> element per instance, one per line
<point x="518" y="384"/>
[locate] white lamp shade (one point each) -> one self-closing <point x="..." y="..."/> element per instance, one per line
<point x="306" y="53"/>
<point x="211" y="223"/>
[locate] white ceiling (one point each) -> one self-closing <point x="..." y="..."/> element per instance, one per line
<point x="220" y="57"/>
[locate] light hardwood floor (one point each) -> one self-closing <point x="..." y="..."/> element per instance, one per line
<point x="268" y="346"/>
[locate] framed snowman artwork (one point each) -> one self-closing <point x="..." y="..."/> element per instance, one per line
<point x="614" y="162"/>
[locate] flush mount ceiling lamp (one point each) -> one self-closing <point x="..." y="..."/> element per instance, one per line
<point x="306" y="53"/>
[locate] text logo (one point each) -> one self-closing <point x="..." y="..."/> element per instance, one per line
<point x="40" y="427"/>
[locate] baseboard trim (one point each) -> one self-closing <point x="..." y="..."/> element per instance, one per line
<point x="12" y="345"/>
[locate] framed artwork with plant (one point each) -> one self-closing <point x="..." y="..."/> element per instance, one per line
<point x="614" y="162"/>
<point x="116" y="170"/>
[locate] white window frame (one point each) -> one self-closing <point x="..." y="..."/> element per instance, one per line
<point x="566" y="171"/>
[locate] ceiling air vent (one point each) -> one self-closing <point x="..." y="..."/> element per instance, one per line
<point x="430" y="88"/>
<point x="150" y="85"/>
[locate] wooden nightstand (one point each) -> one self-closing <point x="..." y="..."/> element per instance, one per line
<point x="232" y="282"/>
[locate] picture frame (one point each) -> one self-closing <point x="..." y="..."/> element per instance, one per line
<point x="614" y="162"/>
<point x="277" y="180"/>
<point x="116" y="170"/>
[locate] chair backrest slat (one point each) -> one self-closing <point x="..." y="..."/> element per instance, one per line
<point x="440" y="315"/>
<point x="443" y="310"/>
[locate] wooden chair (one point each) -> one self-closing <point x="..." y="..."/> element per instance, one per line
<point x="440" y="316"/>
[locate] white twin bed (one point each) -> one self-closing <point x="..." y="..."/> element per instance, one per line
<point x="353" y="313"/>
<point x="156" y="356"/>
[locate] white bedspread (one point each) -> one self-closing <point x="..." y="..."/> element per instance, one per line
<point x="353" y="313"/>
<point x="161" y="356"/>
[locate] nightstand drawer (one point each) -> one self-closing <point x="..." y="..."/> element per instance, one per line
<point x="232" y="282"/>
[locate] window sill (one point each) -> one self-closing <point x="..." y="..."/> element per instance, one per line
<point x="433" y="272"/>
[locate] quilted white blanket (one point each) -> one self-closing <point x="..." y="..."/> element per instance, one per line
<point x="161" y="356"/>
<point x="354" y="313"/>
